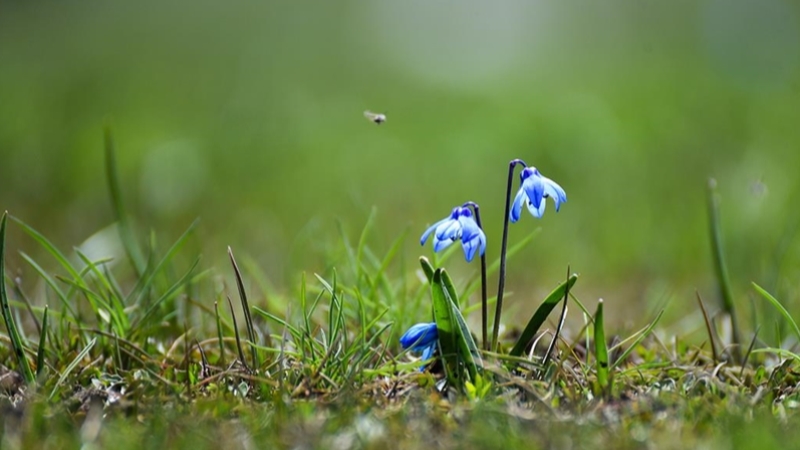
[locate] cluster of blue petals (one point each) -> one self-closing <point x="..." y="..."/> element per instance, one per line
<point x="534" y="189"/>
<point x="460" y="225"/>
<point x="421" y="337"/>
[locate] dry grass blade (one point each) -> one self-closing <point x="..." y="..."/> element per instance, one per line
<point x="236" y="333"/>
<point x="709" y="328"/>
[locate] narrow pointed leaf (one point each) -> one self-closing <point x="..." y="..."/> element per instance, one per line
<point x="446" y="326"/>
<point x="601" y="349"/>
<point x="11" y="325"/>
<point x="774" y="301"/>
<point x="540" y="316"/>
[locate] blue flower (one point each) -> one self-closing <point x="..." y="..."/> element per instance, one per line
<point x="534" y="189"/>
<point x="421" y="337"/>
<point x="459" y="225"/>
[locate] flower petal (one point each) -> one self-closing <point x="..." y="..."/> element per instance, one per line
<point x="516" y="208"/>
<point x="430" y="230"/>
<point x="427" y="353"/>
<point x="469" y="248"/>
<point x="552" y="189"/>
<point x="450" y="229"/>
<point x="534" y="188"/>
<point x="469" y="228"/>
<point x="474" y="245"/>
<point x="441" y="244"/>
<point x="471" y="236"/>
<point x="537" y="212"/>
<point x="420" y="336"/>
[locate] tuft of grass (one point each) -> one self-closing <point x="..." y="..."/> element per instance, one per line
<point x="11" y="325"/>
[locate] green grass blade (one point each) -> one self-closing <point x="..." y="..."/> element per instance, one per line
<point x="394" y="249"/>
<point x="42" y="344"/>
<point x="50" y="282"/>
<point x="778" y="351"/>
<point x="294" y="331"/>
<point x="362" y="240"/>
<point x="115" y="305"/>
<point x="149" y="277"/>
<point x="49" y="247"/>
<point x="11" y="325"/>
<point x="638" y="340"/>
<point x="132" y="248"/>
<point x="601" y="349"/>
<point x="477" y="306"/>
<point x="720" y="267"/>
<point x="167" y="295"/>
<point x="72" y="365"/>
<point x="540" y="316"/>
<point x="767" y="296"/>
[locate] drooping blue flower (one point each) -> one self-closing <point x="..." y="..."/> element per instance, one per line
<point x="421" y="337"/>
<point x="533" y="191"/>
<point x="459" y="225"/>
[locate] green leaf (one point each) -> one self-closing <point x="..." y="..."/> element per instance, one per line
<point x="450" y="288"/>
<point x="447" y="328"/>
<point x="42" y="344"/>
<point x="11" y="325"/>
<point x="427" y="268"/>
<point x="779" y="307"/>
<point x="540" y="316"/>
<point x="458" y="347"/>
<point x="467" y="350"/>
<point x="600" y="349"/>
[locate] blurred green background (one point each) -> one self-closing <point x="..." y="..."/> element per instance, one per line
<point x="249" y="115"/>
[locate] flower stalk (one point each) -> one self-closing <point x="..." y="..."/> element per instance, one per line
<point x="503" y="247"/>
<point x="484" y="300"/>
